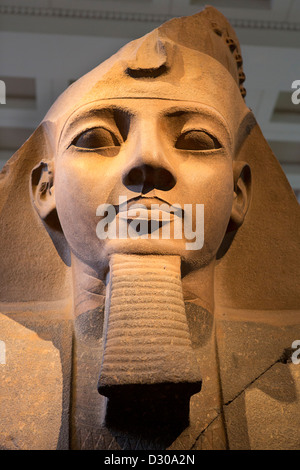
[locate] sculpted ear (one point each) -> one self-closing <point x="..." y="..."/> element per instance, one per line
<point x="42" y="189"/>
<point x="43" y="197"/>
<point x="242" y="194"/>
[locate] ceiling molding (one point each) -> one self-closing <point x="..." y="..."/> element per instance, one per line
<point x="83" y="14"/>
<point x="135" y="16"/>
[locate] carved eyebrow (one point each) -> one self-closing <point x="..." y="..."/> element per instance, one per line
<point x="110" y="115"/>
<point x="180" y="109"/>
<point x="205" y="111"/>
<point x="207" y="115"/>
<point x="97" y="111"/>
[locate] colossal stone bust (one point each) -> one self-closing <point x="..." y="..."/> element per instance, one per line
<point x="171" y="328"/>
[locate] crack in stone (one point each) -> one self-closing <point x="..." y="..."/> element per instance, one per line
<point x="285" y="358"/>
<point x="206" y="427"/>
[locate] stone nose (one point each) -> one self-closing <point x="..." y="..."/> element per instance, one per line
<point x="150" y="166"/>
<point x="145" y="177"/>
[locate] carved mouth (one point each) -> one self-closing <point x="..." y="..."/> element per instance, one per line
<point x="139" y="212"/>
<point x="146" y="202"/>
<point x="156" y="210"/>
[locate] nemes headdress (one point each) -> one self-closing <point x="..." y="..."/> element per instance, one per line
<point x="194" y="58"/>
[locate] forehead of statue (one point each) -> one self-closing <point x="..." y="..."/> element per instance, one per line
<point x="193" y="77"/>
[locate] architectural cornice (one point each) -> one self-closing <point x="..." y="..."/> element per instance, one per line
<point x="81" y="13"/>
<point x="135" y="16"/>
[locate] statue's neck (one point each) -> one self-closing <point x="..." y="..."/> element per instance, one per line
<point x="89" y="287"/>
<point x="185" y="341"/>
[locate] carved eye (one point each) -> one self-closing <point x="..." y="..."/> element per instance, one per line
<point x="197" y="140"/>
<point x="96" y="138"/>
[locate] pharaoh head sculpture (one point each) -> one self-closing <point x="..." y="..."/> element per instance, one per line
<point x="147" y="195"/>
<point x="156" y="121"/>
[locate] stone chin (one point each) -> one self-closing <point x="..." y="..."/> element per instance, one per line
<point x="154" y="247"/>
